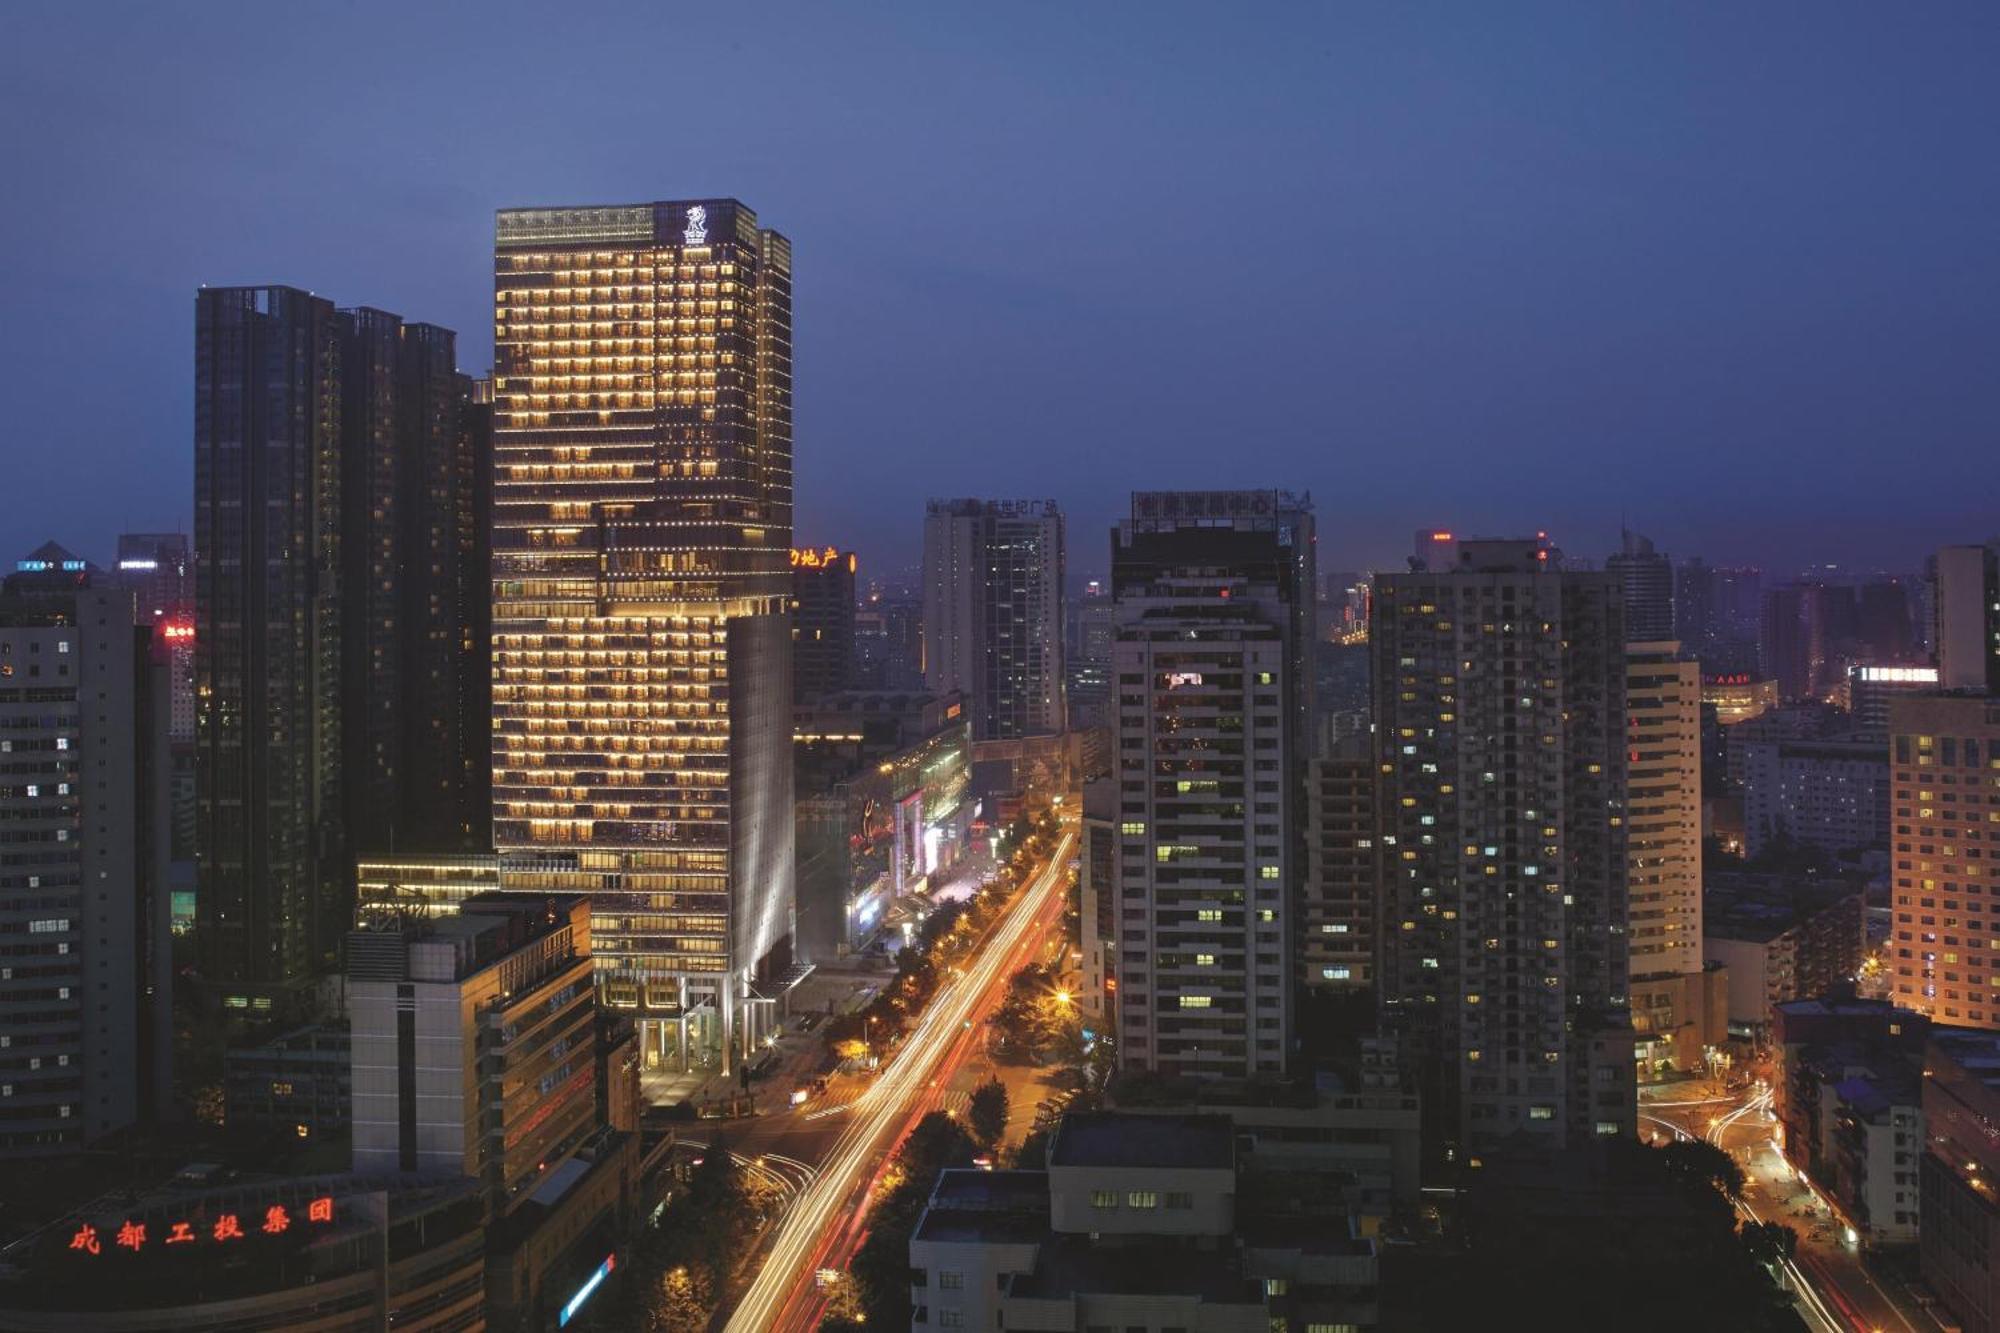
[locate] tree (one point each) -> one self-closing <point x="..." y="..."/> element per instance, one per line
<point x="1770" y="1243"/>
<point x="988" y="1113"/>
<point x="1696" y="1163"/>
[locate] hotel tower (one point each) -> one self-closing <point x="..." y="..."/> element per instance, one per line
<point x="641" y="569"/>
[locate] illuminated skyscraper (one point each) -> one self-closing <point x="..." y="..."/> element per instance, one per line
<point x="1944" y="765"/>
<point x="641" y="642"/>
<point x="1648" y="576"/>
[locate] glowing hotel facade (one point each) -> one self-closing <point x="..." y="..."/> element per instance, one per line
<point x="641" y="570"/>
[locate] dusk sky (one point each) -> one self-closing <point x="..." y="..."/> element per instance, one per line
<point x="1732" y="272"/>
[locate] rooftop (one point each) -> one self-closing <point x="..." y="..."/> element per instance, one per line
<point x="1111" y="1138"/>
<point x="1074" y="1265"/>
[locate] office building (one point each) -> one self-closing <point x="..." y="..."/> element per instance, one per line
<point x="1945" y="789"/>
<point x="1965" y="600"/>
<point x="296" y="1084"/>
<point x="1830" y="794"/>
<point x="1958" y="1227"/>
<point x="1648" y="579"/>
<point x="85" y="1038"/>
<point x="479" y="1051"/>
<point x="334" y="1254"/>
<point x="1871" y="688"/>
<point x="1343" y="875"/>
<point x="993" y="613"/>
<point x="822" y="622"/>
<point x="1500" y="731"/>
<point x="1214" y="615"/>
<point x="642" y="728"/>
<point x="1781" y="937"/>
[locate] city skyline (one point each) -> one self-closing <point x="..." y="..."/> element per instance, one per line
<point x="1551" y="253"/>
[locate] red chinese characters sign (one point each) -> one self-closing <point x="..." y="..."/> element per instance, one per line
<point x="221" y="1229"/>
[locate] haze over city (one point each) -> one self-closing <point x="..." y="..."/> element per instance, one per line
<point x="1436" y="264"/>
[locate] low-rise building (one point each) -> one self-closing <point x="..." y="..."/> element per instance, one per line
<point x="1138" y="1221"/>
<point x="298" y="1082"/>
<point x="335" y="1254"/>
<point x="1781" y="937"/>
<point x="1849" y="1102"/>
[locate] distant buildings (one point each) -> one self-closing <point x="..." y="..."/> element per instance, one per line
<point x="822" y="622"/>
<point x="642" y="668"/>
<point x="1945" y="774"/>
<point x="1738" y="697"/>
<point x="1648" y="579"/>
<point x="1091" y="625"/>
<point x="1784" y="643"/>
<point x="993" y="613"/>
<point x="889" y="641"/>
<point x="1214" y="613"/>
<point x="85" y="1038"/>
<point x="1501" y="736"/>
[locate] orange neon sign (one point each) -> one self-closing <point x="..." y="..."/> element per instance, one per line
<point x="827" y="558"/>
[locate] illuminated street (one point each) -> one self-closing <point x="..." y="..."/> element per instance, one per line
<point x="826" y="1223"/>
<point x="1835" y="1291"/>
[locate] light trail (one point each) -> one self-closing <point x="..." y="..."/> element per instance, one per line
<point x="883" y="1112"/>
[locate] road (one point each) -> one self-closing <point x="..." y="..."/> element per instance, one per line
<point x="827" y="1222"/>
<point x="1834" y="1289"/>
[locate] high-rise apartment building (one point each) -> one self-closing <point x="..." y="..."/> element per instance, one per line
<point x="270" y="838"/>
<point x="339" y="631"/>
<point x="1214" y="595"/>
<point x="822" y="622"/>
<point x="1945" y="798"/>
<point x="993" y="613"/>
<point x="1663" y="700"/>
<point x="1648" y="578"/>
<point x="1500" y="726"/>
<point x="85" y="1038"/>
<point x="1343" y="870"/>
<point x="1965" y="602"/>
<point x="414" y="461"/>
<point x="642" y="745"/>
